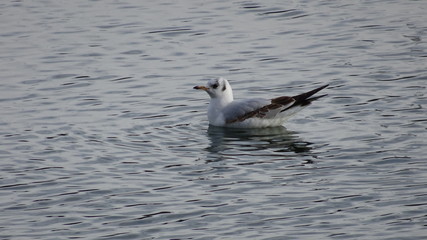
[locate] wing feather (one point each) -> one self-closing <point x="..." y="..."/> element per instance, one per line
<point x="256" y="108"/>
<point x="281" y="107"/>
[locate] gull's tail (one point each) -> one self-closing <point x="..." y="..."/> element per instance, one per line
<point x="304" y="99"/>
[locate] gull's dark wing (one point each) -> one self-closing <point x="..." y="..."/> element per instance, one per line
<point x="257" y="108"/>
<point x="284" y="106"/>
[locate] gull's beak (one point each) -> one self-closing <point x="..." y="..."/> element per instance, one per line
<point x="201" y="88"/>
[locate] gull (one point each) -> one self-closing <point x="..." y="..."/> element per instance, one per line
<point x="224" y="111"/>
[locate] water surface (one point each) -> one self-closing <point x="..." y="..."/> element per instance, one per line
<point x="102" y="136"/>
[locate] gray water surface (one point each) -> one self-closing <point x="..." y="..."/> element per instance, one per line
<point x="103" y="137"/>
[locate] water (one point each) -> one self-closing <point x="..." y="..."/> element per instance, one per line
<point x="102" y="136"/>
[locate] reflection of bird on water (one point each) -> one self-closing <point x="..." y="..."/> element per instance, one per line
<point x="277" y="139"/>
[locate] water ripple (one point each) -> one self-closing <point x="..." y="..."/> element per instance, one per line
<point x="103" y="137"/>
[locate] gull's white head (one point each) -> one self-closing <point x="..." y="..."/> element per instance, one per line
<point x="218" y="88"/>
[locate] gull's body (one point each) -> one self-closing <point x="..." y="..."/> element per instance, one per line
<point x="223" y="111"/>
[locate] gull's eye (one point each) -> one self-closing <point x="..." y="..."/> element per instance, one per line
<point x="215" y="86"/>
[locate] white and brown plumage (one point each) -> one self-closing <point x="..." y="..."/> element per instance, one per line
<point x="223" y="111"/>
